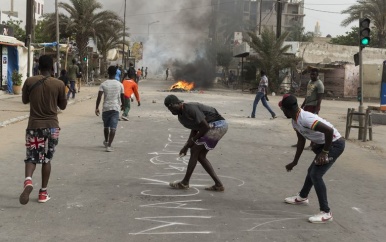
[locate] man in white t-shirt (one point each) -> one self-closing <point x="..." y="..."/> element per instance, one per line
<point x="328" y="146"/>
<point x="262" y="92"/>
<point x="112" y="103"/>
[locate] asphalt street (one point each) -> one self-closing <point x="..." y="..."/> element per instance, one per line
<point x="124" y="195"/>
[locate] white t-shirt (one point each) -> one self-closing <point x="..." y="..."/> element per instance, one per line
<point x="112" y="95"/>
<point x="305" y="124"/>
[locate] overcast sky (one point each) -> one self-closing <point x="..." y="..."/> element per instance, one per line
<point x="327" y="12"/>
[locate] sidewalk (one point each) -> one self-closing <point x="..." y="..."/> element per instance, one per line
<point x="13" y="110"/>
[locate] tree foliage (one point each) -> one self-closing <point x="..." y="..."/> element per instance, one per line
<point x="271" y="55"/>
<point x="83" y="20"/>
<point x="352" y="38"/>
<point x="296" y="33"/>
<point x="18" y="32"/>
<point x="375" y="10"/>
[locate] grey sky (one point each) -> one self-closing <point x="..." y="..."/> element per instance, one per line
<point x="329" y="22"/>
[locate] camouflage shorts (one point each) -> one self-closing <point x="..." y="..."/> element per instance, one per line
<point x="40" y="144"/>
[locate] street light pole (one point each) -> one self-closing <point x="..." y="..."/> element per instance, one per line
<point x="148" y="27"/>
<point x="123" y="44"/>
<point x="57" y="39"/>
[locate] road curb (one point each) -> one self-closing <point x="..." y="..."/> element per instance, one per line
<point x="24" y="117"/>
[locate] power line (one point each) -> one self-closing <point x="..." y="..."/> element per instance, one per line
<point x="316" y="10"/>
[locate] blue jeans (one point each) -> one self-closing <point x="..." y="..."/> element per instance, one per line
<point x="315" y="173"/>
<point x="72" y="90"/>
<point x="261" y="96"/>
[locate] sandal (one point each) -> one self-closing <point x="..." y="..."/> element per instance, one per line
<point x="215" y="188"/>
<point x="178" y="185"/>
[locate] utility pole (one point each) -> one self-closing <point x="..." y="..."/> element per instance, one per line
<point x="123" y="44"/>
<point x="29" y="29"/>
<point x="57" y="39"/>
<point x="261" y="11"/>
<point x="278" y="22"/>
<point x="360" y="108"/>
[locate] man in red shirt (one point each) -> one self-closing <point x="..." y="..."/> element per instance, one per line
<point x="130" y="87"/>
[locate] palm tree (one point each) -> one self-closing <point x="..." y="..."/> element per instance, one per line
<point x="271" y="54"/>
<point x="375" y="10"/>
<point x="82" y="22"/>
<point x="108" y="40"/>
<point x="296" y="33"/>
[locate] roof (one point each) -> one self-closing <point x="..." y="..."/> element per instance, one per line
<point x="10" y="41"/>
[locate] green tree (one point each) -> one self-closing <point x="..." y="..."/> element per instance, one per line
<point x="18" y="32"/>
<point x="271" y="55"/>
<point x="375" y="10"/>
<point x="108" y="40"/>
<point x="83" y="21"/>
<point x="40" y="34"/>
<point x="296" y="33"/>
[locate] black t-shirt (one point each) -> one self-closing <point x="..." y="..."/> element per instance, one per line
<point x="64" y="79"/>
<point x="194" y="113"/>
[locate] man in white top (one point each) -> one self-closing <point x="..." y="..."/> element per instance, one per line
<point x="261" y="94"/>
<point x="112" y="103"/>
<point x="328" y="146"/>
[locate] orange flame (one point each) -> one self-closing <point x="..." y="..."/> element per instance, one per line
<point x="182" y="85"/>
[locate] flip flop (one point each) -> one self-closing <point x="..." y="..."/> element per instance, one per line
<point x="178" y="185"/>
<point x="215" y="188"/>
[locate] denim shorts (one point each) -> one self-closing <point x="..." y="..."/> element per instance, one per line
<point x="110" y="119"/>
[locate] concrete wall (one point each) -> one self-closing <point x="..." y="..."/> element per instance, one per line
<point x="327" y="53"/>
<point x="372" y="78"/>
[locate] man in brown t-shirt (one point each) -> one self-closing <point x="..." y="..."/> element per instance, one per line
<point x="44" y="94"/>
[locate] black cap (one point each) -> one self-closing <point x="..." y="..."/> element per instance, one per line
<point x="288" y="101"/>
<point x="172" y="99"/>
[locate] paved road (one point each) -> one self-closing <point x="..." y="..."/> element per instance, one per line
<point x="123" y="195"/>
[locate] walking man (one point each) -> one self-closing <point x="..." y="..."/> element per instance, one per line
<point x="145" y="72"/>
<point x="261" y="94"/>
<point x="130" y="87"/>
<point x="79" y="76"/>
<point x="73" y="71"/>
<point x="329" y="145"/>
<point x="207" y="128"/>
<point x="167" y="73"/>
<point x="315" y="93"/>
<point x="44" y="94"/>
<point x="112" y="104"/>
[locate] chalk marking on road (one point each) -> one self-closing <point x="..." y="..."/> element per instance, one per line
<point x="157" y="182"/>
<point x="170" y="153"/>
<point x="168" y="224"/>
<point x="270" y="213"/>
<point x="202" y="174"/>
<point x="180" y="195"/>
<point x="175" y="167"/>
<point x="357" y="209"/>
<point x="178" y="205"/>
<point x="273" y="221"/>
<point x="156" y="161"/>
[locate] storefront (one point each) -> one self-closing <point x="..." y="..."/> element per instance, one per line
<point x="13" y="57"/>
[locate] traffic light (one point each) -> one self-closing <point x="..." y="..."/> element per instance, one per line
<point x="359" y="94"/>
<point x="364" y="32"/>
<point x="85" y="58"/>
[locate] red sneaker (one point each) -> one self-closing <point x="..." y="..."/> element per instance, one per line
<point x="43" y="196"/>
<point x="28" y="187"/>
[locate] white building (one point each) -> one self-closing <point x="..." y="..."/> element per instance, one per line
<point x="16" y="10"/>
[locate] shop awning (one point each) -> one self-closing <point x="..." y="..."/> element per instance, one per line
<point x="10" y="41"/>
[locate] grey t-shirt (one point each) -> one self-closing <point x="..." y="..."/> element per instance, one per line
<point x="194" y="113"/>
<point x="313" y="88"/>
<point x="112" y="95"/>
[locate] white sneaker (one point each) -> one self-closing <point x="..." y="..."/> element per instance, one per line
<point x="105" y="143"/>
<point x="109" y="149"/>
<point x="125" y="118"/>
<point x="321" y="218"/>
<point x="296" y="200"/>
